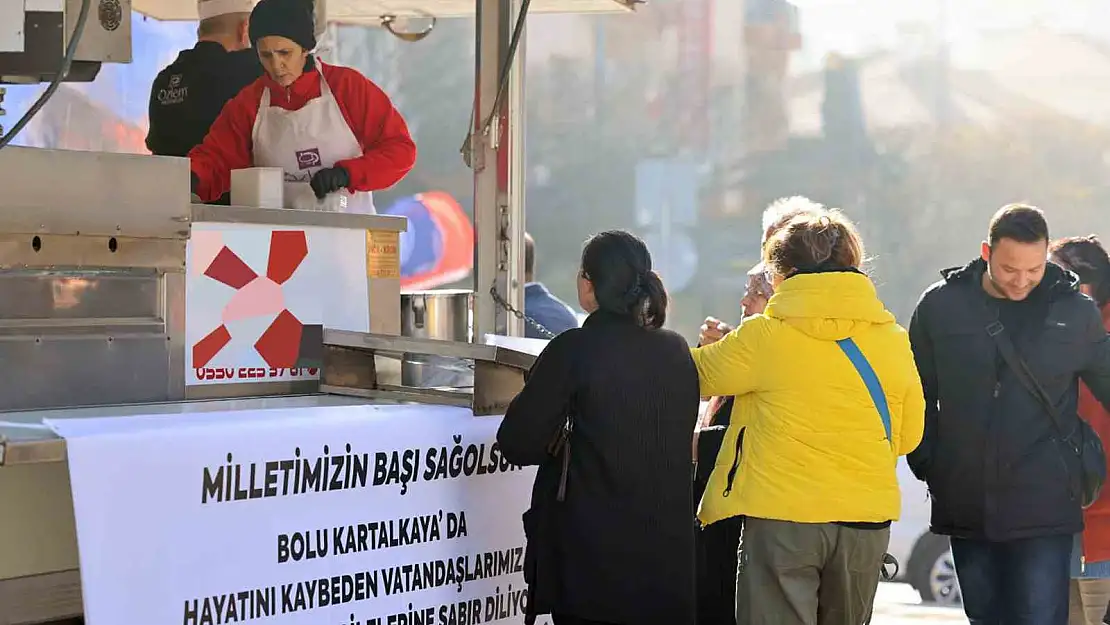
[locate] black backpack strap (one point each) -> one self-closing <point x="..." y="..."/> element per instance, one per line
<point x="1017" y="364"/>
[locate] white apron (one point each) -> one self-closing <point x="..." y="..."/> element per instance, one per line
<point x="302" y="143"/>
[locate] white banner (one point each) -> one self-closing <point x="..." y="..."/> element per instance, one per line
<point x="367" y="515"/>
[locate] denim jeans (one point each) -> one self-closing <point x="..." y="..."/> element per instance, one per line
<point x="1017" y="582"/>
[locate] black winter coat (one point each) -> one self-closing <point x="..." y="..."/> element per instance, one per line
<point x="620" y="548"/>
<point x="717" y="543"/>
<point x="187" y="96"/>
<point x="991" y="455"/>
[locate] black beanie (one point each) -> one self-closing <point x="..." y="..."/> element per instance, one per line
<point x="291" y="19"/>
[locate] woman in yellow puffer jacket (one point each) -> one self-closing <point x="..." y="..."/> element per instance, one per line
<point x="834" y="399"/>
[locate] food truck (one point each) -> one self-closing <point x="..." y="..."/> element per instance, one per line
<point x="224" y="414"/>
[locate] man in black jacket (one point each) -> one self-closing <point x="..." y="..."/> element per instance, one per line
<point x="188" y="95"/>
<point x="1002" y="482"/>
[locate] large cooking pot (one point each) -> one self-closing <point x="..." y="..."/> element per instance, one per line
<point x="446" y="315"/>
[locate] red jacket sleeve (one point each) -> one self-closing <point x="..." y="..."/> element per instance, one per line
<point x="388" y="150"/>
<point x="228" y="144"/>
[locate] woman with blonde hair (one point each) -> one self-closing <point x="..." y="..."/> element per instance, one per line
<point x="837" y="400"/>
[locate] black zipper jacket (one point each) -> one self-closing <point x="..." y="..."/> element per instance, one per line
<point x="188" y="95"/>
<point x="991" y="456"/>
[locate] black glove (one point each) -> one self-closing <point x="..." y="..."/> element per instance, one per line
<point x="329" y="179"/>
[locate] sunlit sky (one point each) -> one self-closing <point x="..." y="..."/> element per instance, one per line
<point x="855" y="26"/>
<point x="859" y="26"/>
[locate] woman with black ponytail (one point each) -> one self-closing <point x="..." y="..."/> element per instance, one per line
<point x="616" y="278"/>
<point x="607" y="413"/>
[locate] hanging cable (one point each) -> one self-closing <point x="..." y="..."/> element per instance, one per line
<point x="502" y="86"/>
<point x="63" y="71"/>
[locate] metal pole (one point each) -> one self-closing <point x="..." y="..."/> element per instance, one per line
<point x="498" y="162"/>
<point x="515" y="172"/>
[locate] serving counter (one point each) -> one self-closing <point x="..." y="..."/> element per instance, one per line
<point x="39" y="578"/>
<point x="115" y="288"/>
<point x="135" y="321"/>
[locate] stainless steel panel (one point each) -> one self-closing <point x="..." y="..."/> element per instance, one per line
<point x="56" y="371"/>
<point x="173" y="313"/>
<point x="26" y="329"/>
<point x="101" y="193"/>
<point x="37" y="294"/>
<point x="446" y="315"/>
<point x="20" y="425"/>
<point x="11" y="27"/>
<point x="107" y="34"/>
<point x="352" y="366"/>
<point x="86" y="337"/>
<point x="37" y="531"/>
<point x="225" y="391"/>
<point x="385" y="305"/>
<point x="38" y="571"/>
<point x="47" y="251"/>
<point x="53" y="598"/>
<point x="404" y="344"/>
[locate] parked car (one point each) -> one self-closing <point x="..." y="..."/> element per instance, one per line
<point x="925" y="559"/>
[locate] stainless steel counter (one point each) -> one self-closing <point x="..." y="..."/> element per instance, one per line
<point x="94" y="275"/>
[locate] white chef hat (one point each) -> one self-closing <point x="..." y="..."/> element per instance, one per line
<point x="212" y="8"/>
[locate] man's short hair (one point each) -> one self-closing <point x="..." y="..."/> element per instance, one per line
<point x="222" y="25"/>
<point x="529" y="255"/>
<point x="781" y="211"/>
<point x="1019" y="222"/>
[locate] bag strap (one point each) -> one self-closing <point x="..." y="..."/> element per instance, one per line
<point x="870" y="380"/>
<point x="1029" y="382"/>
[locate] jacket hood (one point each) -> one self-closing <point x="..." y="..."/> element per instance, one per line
<point x="1058" y="281"/>
<point x="828" y="306"/>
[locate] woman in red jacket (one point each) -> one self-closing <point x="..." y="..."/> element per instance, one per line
<point x="329" y="128"/>
<point x="1090" y="588"/>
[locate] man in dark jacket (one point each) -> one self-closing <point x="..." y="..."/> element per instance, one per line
<point x="540" y="304"/>
<point x="1002" y="482"/>
<point x="188" y="95"/>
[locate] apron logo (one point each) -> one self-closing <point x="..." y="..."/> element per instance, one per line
<point x="307" y="159"/>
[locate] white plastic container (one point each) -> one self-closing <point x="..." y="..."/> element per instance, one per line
<point x="262" y="187"/>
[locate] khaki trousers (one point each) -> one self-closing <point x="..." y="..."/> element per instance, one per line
<point x="1088" y="601"/>
<point x="807" y="573"/>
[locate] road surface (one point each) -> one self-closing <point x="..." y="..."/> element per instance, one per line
<point x="898" y="604"/>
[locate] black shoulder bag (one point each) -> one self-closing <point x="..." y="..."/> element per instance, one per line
<point x="1083" y="440"/>
<point x="540" y="525"/>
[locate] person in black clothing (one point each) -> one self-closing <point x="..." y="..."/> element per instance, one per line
<point x="718" y="543"/>
<point x="610" y="533"/>
<point x="1001" y="479"/>
<point x="188" y="95"/>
